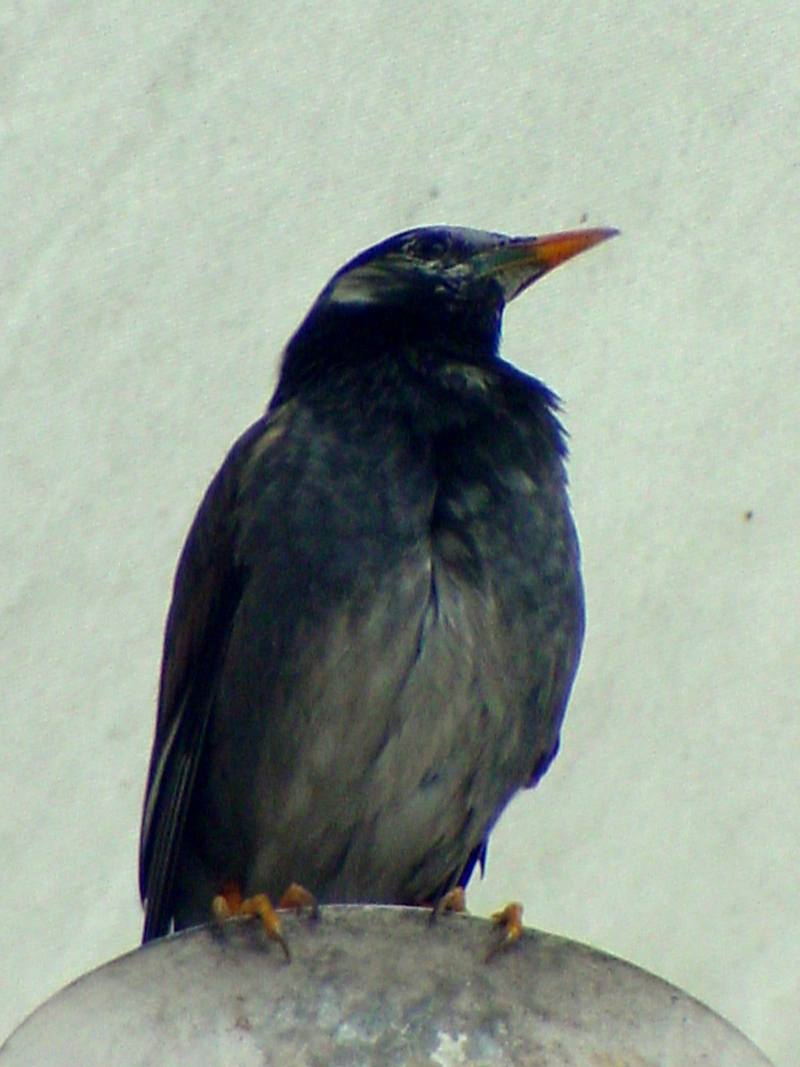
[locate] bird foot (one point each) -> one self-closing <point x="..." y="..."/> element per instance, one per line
<point x="454" y="900"/>
<point x="230" y="902"/>
<point x="507" y="929"/>
<point x="297" y="898"/>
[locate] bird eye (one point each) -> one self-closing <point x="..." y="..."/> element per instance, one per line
<point x="427" y="248"/>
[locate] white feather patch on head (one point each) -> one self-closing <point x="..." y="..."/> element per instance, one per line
<point x="367" y="284"/>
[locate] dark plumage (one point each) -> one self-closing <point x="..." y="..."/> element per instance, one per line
<point x="378" y="613"/>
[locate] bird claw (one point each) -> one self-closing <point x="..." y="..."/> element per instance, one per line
<point x="454" y="900"/>
<point x="507" y="929"/>
<point x="230" y="903"/>
<point x="297" y="898"/>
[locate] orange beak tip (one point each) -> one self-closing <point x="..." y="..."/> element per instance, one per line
<point x="555" y="248"/>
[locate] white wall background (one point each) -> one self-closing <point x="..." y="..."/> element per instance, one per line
<point x="178" y="181"/>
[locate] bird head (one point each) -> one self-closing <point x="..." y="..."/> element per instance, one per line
<point x="437" y="287"/>
<point x="454" y="264"/>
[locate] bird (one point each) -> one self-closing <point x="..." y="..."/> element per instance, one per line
<point x="378" y="612"/>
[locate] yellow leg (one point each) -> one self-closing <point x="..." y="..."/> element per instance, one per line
<point x="298" y="897"/>
<point x="455" y="900"/>
<point x="230" y="902"/>
<point x="508" y="924"/>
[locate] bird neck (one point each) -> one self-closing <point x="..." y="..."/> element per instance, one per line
<point x="370" y="373"/>
<point x="339" y="345"/>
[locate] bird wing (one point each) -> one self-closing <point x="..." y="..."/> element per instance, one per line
<point x="206" y="593"/>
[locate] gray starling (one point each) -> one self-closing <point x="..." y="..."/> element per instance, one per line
<point x="378" y="612"/>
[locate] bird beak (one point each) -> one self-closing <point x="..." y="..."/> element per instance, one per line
<point x="520" y="261"/>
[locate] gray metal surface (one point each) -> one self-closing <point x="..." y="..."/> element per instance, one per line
<point x="373" y="985"/>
